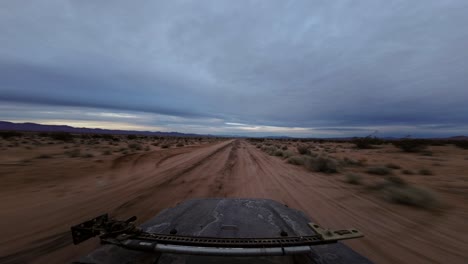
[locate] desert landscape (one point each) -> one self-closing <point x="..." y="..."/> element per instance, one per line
<point x="409" y="198"/>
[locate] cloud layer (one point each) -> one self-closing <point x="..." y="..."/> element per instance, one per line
<point x="293" y="67"/>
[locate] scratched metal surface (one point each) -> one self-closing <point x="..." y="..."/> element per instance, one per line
<point x="228" y="218"/>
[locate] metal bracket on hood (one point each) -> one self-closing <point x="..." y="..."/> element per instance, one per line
<point x="334" y="235"/>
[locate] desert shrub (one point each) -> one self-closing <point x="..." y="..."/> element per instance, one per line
<point x="88" y="155"/>
<point x="287" y="154"/>
<point x="395" y="180"/>
<point x="393" y="166"/>
<point x="135" y="146"/>
<point x="425" y="172"/>
<point x="284" y="147"/>
<point x="461" y="143"/>
<point x="165" y="145"/>
<point x="410" y="195"/>
<point x="63" y="136"/>
<point x="132" y="137"/>
<point x="303" y="149"/>
<point x="180" y="144"/>
<point x="351" y="162"/>
<point x="106" y="152"/>
<point x="278" y="153"/>
<point x="352" y="178"/>
<point x="155" y="144"/>
<point x="407" y="172"/>
<point x="411" y="145"/>
<point x="147" y="148"/>
<point x="379" y="170"/>
<point x="44" y="156"/>
<point x="366" y="142"/>
<point x="269" y="150"/>
<point x="427" y="153"/>
<point x="10" y="134"/>
<point x="296" y="160"/>
<point x="321" y="164"/>
<point x="73" y="153"/>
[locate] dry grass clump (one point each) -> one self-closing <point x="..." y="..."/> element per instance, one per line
<point x="296" y="160"/>
<point x="410" y="195"/>
<point x="278" y="153"/>
<point x="407" y="172"/>
<point x="393" y="166"/>
<point x="351" y="162"/>
<point x="73" y="153"/>
<point x="425" y="172"/>
<point x="352" y="178"/>
<point x="165" y="145"/>
<point x="303" y="149"/>
<point x="287" y="154"/>
<point x="379" y="170"/>
<point x="321" y="164"/>
<point x="180" y="144"/>
<point x="396" y="190"/>
<point x="270" y="150"/>
<point x="135" y="146"/>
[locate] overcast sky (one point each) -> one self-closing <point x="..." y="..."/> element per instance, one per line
<point x="297" y="68"/>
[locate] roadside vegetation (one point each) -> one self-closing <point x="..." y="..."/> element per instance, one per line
<point x="361" y="162"/>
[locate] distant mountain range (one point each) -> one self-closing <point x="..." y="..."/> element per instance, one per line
<point x="33" y="127"/>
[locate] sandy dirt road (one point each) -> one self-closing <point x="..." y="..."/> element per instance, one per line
<point x="35" y="220"/>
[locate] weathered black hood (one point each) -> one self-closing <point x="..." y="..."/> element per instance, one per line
<point x="223" y="218"/>
<point x="231" y="218"/>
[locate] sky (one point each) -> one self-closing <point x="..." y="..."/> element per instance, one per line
<point x="252" y="68"/>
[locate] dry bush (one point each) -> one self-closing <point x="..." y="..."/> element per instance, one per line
<point x="296" y="160"/>
<point x="165" y="145"/>
<point x="461" y="143"/>
<point x="132" y="137"/>
<point x="180" y="144"/>
<point x="410" y="195"/>
<point x="44" y="156"/>
<point x="425" y="172"/>
<point x="269" y="150"/>
<point x="88" y="155"/>
<point x="321" y="164"/>
<point x="379" y="170"/>
<point x="393" y="166"/>
<point x="367" y="142"/>
<point x="10" y="134"/>
<point x="73" y="153"/>
<point x="62" y="136"/>
<point x="135" y="146"/>
<point x="284" y="147"/>
<point x="287" y="154"/>
<point x="411" y="145"/>
<point x="278" y="153"/>
<point x="303" y="149"/>
<point x="351" y="162"/>
<point x="395" y="180"/>
<point x="106" y="152"/>
<point x="352" y="178"/>
<point x="407" y="172"/>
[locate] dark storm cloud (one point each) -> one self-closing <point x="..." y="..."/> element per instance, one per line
<point x="347" y="65"/>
